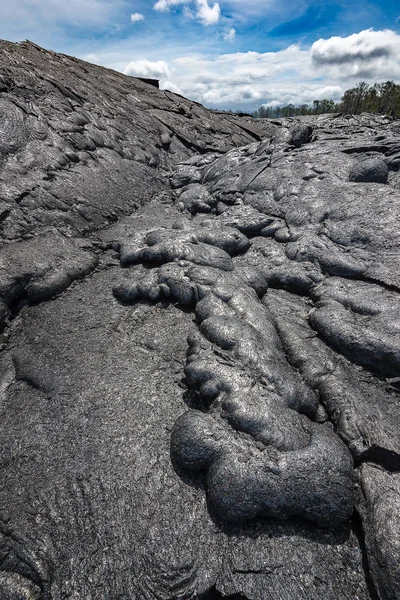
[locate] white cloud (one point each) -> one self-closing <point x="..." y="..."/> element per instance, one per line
<point x="245" y="80"/>
<point x="137" y="17"/>
<point x="163" y="5"/>
<point x="292" y="75"/>
<point x="239" y="10"/>
<point x="230" y="35"/>
<point x="168" y="85"/>
<point x="145" y="68"/>
<point x="367" y="55"/>
<point x="208" y="15"/>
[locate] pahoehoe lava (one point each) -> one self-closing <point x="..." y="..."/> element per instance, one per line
<point x="200" y="345"/>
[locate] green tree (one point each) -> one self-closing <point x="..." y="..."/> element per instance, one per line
<point x="381" y="98"/>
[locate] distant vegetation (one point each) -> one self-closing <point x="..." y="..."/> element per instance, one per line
<point x="382" y="98"/>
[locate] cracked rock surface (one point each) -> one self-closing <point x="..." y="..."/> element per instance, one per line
<point x="200" y="345"/>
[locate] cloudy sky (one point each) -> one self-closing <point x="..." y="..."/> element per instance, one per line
<point x="236" y="54"/>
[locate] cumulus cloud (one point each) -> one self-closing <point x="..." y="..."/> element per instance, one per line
<point x="368" y="54"/>
<point x="208" y="15"/>
<point x="137" y="17"/>
<point x="362" y="46"/>
<point x="294" y="75"/>
<point x="230" y="35"/>
<point x="241" y="79"/>
<point x="145" y="68"/>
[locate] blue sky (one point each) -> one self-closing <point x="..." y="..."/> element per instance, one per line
<point x="225" y="54"/>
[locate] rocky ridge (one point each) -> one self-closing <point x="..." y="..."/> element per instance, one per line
<point x="201" y="345"/>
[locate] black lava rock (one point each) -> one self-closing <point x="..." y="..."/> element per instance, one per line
<point x="200" y="345"/>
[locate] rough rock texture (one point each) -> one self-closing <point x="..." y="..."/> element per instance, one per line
<point x="200" y="366"/>
<point x="380" y="511"/>
<point x="82" y="145"/>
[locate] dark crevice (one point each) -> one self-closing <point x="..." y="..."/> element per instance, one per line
<point x="297" y="289"/>
<point x="187" y="144"/>
<point x="254" y="135"/>
<point x="371" y="148"/>
<point x="356" y="525"/>
<point x="21" y="196"/>
<point x="214" y="594"/>
<point x="17" y="303"/>
<point x="383" y="457"/>
<point x="394" y="384"/>
<point x="65" y="91"/>
<point x="390" y="287"/>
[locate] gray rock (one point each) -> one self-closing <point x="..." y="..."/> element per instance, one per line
<point x="196" y="198"/>
<point x="94" y="503"/>
<point x="365" y="410"/>
<point x="360" y="320"/>
<point x="370" y="170"/>
<point x="39" y="268"/>
<point x="380" y="513"/>
<point x="81" y="145"/>
<point x="187" y="398"/>
<point x="242" y="481"/>
<point x="301" y="134"/>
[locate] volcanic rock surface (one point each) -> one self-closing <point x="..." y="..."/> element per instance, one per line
<point x="200" y="366"/>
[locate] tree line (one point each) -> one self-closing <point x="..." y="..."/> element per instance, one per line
<point x="382" y="98"/>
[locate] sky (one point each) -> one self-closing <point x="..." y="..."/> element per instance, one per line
<point x="230" y="54"/>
